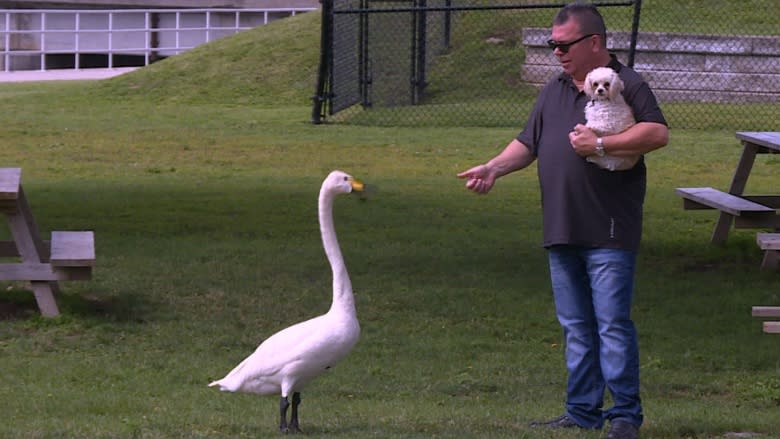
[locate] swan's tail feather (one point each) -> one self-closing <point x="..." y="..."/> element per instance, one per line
<point x="224" y="387"/>
<point x="230" y="383"/>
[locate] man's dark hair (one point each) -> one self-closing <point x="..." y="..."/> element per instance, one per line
<point x="586" y="15"/>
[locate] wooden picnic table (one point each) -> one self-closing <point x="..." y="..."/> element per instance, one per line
<point x="67" y="256"/>
<point x="744" y="211"/>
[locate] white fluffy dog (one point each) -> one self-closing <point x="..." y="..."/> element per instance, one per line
<point x="608" y="113"/>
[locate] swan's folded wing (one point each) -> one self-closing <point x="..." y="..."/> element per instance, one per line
<point x="275" y="353"/>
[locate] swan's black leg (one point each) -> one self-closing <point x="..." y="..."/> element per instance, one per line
<point x="296" y="401"/>
<point x="283" y="404"/>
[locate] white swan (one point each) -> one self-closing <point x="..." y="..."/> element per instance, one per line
<point x="285" y="362"/>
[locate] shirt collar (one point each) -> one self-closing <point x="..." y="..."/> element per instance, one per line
<point x="614" y="64"/>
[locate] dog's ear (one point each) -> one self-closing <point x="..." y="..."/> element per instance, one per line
<point x="616" y="87"/>
<point x="588" y="87"/>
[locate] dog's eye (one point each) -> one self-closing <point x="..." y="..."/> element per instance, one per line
<point x="606" y="84"/>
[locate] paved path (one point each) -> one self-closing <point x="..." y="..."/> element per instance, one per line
<point x="62" y="75"/>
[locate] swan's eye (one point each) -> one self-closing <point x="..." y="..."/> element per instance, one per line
<point x="346" y="178"/>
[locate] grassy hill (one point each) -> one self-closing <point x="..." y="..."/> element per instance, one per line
<point x="275" y="64"/>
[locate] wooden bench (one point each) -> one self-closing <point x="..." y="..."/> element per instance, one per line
<point x="754" y="212"/>
<point x="10" y="179"/>
<point x="709" y="198"/>
<point x="73" y="253"/>
<point x="770" y="243"/>
<point x="770" y="327"/>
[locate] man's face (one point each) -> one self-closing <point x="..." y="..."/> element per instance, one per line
<point x="576" y="58"/>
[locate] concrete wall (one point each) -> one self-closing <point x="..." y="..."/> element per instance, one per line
<point x="681" y="67"/>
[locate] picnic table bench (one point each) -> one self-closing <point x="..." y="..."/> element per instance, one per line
<point x="770" y="327"/>
<point x="69" y="255"/>
<point x="770" y="244"/>
<point x="744" y="211"/>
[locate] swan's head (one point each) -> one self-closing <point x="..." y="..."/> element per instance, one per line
<point x="341" y="182"/>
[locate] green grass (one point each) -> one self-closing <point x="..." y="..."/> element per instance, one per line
<point x="202" y="195"/>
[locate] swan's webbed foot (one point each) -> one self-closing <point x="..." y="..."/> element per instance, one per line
<point x="290" y="430"/>
<point x="292" y="427"/>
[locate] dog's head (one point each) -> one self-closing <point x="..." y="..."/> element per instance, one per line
<point x="603" y="84"/>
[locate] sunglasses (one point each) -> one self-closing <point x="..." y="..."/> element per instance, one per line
<point x="564" y="47"/>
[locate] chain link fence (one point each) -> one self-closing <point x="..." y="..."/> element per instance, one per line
<point x="482" y="62"/>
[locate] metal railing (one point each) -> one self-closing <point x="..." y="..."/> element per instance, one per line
<point x="44" y="39"/>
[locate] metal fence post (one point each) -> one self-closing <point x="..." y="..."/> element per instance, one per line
<point x="326" y="60"/>
<point x="419" y="31"/>
<point x="364" y="61"/>
<point x="634" y="32"/>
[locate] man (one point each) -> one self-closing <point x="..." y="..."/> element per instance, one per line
<point x="592" y="220"/>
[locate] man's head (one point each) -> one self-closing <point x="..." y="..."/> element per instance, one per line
<point x="579" y="39"/>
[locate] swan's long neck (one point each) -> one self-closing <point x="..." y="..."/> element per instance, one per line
<point x="343" y="301"/>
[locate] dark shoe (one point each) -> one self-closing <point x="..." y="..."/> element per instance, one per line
<point x="622" y="430"/>
<point x="563" y="421"/>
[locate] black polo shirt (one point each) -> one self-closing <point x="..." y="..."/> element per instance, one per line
<point x="583" y="204"/>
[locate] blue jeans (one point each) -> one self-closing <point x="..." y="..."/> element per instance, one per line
<point x="593" y="289"/>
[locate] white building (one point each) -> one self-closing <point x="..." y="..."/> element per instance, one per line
<point x="75" y="34"/>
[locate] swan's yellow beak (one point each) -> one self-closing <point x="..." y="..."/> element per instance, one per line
<point x="357" y="185"/>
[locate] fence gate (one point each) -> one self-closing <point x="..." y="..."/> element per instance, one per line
<point x="384" y="70"/>
<point x="379" y="53"/>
